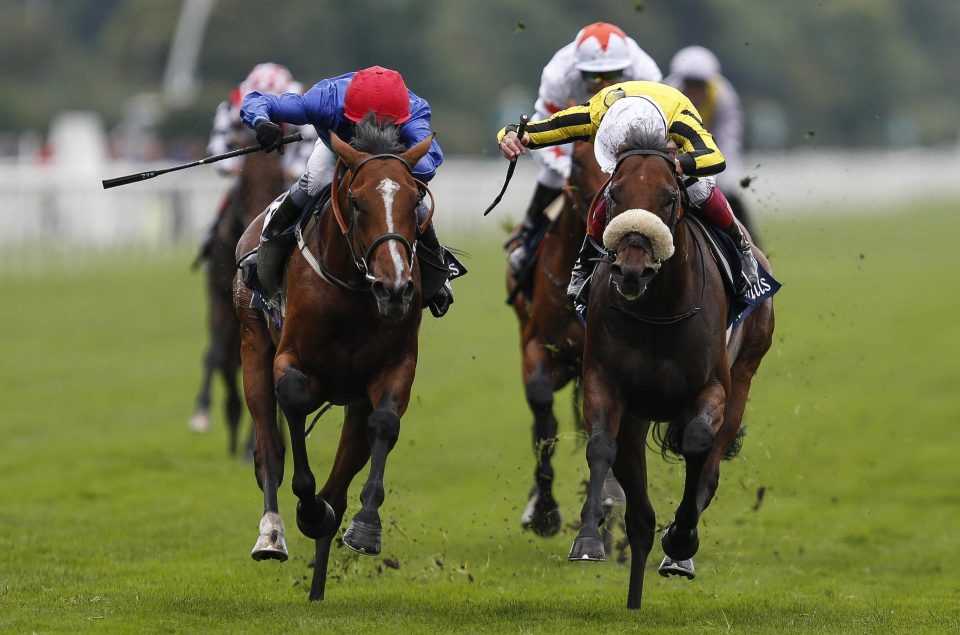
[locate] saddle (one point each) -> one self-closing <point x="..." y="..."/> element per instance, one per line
<point x="727" y="257"/>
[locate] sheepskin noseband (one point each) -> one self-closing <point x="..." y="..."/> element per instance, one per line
<point x="642" y="222"/>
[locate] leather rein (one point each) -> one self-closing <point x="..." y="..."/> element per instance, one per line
<point x="680" y="202"/>
<point x="362" y="262"/>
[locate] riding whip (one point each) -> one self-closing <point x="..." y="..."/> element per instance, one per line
<point x="143" y="176"/>
<point x="513" y="164"/>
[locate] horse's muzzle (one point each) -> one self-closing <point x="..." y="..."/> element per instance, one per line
<point x="394" y="301"/>
<point x="631" y="281"/>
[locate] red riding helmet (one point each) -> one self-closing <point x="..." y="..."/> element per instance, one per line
<point x="378" y="89"/>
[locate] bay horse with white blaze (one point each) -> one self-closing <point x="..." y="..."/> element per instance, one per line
<point x="656" y="350"/>
<point x="350" y="337"/>
<point x="261" y="180"/>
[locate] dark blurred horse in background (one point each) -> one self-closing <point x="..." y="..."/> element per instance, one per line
<point x="551" y="336"/>
<point x="261" y="180"/>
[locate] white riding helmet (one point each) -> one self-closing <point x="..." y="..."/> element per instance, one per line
<point x="601" y="47"/>
<point x="627" y="113"/>
<point x="695" y="62"/>
<point x="267" y="78"/>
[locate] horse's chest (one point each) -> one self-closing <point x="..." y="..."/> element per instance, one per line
<point x="343" y="361"/>
<point x="656" y="384"/>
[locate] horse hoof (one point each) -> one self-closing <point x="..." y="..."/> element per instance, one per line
<point x="587" y="549"/>
<point x="324" y="528"/>
<point x="542" y="515"/>
<point x="271" y="544"/>
<point x="200" y="421"/>
<point x="363" y="537"/>
<point x="676" y="549"/>
<point x="681" y="568"/>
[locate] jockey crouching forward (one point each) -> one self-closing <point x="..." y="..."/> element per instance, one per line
<point x="600" y="55"/>
<point x="337" y="105"/>
<point x="646" y="104"/>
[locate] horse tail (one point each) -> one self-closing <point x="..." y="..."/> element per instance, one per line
<point x="668" y="437"/>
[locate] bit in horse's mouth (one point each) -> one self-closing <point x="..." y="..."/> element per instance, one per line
<point x="626" y="297"/>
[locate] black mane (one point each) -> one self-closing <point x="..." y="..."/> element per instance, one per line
<point x="376" y="137"/>
<point x="644" y="137"/>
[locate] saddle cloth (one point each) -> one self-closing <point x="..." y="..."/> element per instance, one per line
<point x="728" y="260"/>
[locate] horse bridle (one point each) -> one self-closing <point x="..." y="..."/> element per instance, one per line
<point x="681" y="192"/>
<point x="363" y="262"/>
<point x="680" y="201"/>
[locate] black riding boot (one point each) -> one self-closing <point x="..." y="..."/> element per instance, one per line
<point x="440" y="301"/>
<point x="579" y="288"/>
<point x="748" y="262"/>
<point x="275" y="244"/>
<point x="533" y="218"/>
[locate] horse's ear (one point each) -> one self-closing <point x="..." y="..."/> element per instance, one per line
<point x="414" y="154"/>
<point x="350" y="155"/>
<point x="672" y="148"/>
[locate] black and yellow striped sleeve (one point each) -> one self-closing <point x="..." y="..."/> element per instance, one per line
<point x="570" y="124"/>
<point x="700" y="155"/>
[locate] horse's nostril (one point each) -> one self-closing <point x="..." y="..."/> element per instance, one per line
<point x="408" y="290"/>
<point x="379" y="290"/>
<point x="615" y="270"/>
<point x="648" y="273"/>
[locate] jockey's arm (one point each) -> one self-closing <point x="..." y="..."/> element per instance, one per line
<point x="570" y="124"/>
<point x="699" y="154"/>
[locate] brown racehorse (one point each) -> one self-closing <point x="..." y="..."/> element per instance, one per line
<point x="350" y="337"/>
<point x="261" y="180"/>
<point x="551" y="337"/>
<point x="656" y="350"/>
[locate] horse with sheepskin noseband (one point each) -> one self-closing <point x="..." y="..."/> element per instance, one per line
<point x="641" y="242"/>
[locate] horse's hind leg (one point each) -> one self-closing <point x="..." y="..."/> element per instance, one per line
<point x="257" y="354"/>
<point x="542" y="514"/>
<point x="228" y="369"/>
<point x="630" y="469"/>
<point x="353" y="452"/>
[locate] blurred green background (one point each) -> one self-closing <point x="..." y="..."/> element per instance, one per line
<point x="854" y="72"/>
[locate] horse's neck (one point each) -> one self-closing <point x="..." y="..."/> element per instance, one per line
<point x="569" y="231"/>
<point x="261" y="182"/>
<point x="334" y="247"/>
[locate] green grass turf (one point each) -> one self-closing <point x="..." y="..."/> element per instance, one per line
<point x="113" y="517"/>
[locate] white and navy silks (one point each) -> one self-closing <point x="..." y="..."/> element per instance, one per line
<point x="322" y="108"/>
<point x="561" y="85"/>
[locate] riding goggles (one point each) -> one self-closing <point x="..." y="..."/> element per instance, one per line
<point x="600" y="76"/>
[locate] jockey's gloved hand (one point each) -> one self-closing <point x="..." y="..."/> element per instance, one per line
<point x="269" y="135"/>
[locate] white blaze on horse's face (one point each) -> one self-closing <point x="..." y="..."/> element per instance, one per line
<point x="387" y="189"/>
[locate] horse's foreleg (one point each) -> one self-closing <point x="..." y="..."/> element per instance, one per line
<point x="542" y="513"/>
<point x="390" y="397"/>
<point x="200" y="419"/>
<point x="680" y="539"/>
<point x="630" y="469"/>
<point x="257" y="354"/>
<point x="353" y="452"/>
<point x="315" y="518"/>
<point x="602" y="414"/>
<point x="229" y="362"/>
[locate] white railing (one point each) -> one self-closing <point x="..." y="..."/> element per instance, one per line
<point x="39" y="202"/>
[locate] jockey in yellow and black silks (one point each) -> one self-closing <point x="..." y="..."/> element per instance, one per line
<point x="629" y="104"/>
